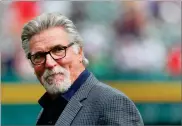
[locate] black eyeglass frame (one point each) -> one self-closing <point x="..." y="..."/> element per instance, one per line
<point x="49" y="52"/>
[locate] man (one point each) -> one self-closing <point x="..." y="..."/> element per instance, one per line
<point x="73" y="95"/>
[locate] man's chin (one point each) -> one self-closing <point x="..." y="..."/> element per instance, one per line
<point x="55" y="88"/>
<point x="55" y="78"/>
<point x="56" y="81"/>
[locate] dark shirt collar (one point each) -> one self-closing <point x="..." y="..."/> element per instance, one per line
<point x="76" y="85"/>
<point x="46" y="100"/>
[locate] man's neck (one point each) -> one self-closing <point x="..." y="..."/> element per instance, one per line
<point x="76" y="74"/>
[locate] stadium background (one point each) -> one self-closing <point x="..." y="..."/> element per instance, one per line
<point x="132" y="46"/>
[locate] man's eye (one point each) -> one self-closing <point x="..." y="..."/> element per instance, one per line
<point x="57" y="49"/>
<point x="39" y="56"/>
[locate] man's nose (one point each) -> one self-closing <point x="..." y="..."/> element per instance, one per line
<point x="50" y="62"/>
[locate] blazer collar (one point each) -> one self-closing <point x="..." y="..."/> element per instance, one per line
<point x="74" y="105"/>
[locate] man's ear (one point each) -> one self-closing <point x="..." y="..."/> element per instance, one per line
<point x="80" y="53"/>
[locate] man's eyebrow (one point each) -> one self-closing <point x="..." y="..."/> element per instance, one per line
<point x="33" y="53"/>
<point x="50" y="48"/>
<point x="59" y="45"/>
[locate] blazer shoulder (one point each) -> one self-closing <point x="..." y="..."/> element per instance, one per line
<point x="123" y="109"/>
<point x="103" y="92"/>
<point x="107" y="90"/>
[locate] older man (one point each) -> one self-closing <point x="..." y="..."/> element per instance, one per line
<point x="73" y="95"/>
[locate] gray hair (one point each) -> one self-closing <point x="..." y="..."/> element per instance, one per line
<point x="48" y="20"/>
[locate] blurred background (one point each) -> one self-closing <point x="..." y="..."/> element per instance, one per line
<point x="132" y="46"/>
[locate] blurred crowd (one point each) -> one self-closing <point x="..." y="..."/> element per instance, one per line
<point x="122" y="40"/>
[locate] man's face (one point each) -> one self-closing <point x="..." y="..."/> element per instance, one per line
<point x="56" y="75"/>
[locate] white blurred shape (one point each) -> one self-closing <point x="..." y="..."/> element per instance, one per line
<point x="95" y="40"/>
<point x="64" y="7"/>
<point x="148" y="55"/>
<point x="23" y="67"/>
<point x="7" y="47"/>
<point x="170" y="12"/>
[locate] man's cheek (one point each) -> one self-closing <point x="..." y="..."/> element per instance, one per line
<point x="39" y="73"/>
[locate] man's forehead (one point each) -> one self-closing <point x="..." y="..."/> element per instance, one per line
<point x="50" y="33"/>
<point x="49" y="38"/>
<point x="42" y="38"/>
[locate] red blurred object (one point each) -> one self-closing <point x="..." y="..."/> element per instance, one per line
<point x="25" y="10"/>
<point x="22" y="12"/>
<point x="174" y="61"/>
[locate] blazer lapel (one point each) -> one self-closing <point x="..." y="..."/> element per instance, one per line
<point x="74" y="105"/>
<point x="69" y="113"/>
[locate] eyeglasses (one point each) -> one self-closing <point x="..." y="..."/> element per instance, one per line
<point x="57" y="52"/>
